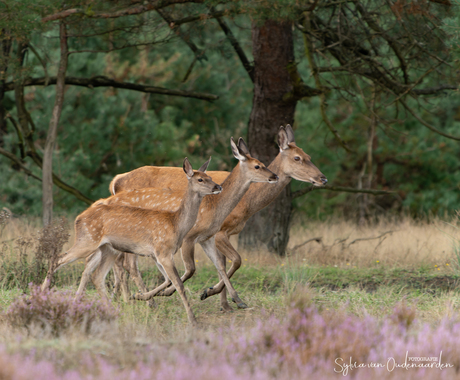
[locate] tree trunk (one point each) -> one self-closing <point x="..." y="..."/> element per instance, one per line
<point x="5" y="46"/>
<point x="47" y="170"/>
<point x="273" y="52"/>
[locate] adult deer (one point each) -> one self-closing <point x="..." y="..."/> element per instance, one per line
<point x="291" y="162"/>
<point x="212" y="214"/>
<point x="139" y="231"/>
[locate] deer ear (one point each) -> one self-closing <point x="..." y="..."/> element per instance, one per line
<point x="188" y="168"/>
<point x="204" y="167"/>
<point x="283" y="139"/>
<point x="243" y="147"/>
<point x="290" y="134"/>
<point x="239" y="155"/>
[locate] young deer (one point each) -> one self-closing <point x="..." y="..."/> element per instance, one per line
<point x="157" y="234"/>
<point x="291" y="162"/>
<point x="212" y="213"/>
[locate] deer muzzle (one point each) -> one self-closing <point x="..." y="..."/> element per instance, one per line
<point x="273" y="179"/>
<point x="217" y="189"/>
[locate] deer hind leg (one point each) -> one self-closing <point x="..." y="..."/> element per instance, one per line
<point x="92" y="262"/>
<point x="108" y="257"/>
<point x="149" y="295"/>
<point x="188" y="258"/>
<point x="218" y="259"/>
<point x="80" y="250"/>
<point x="167" y="263"/>
<point x="120" y="278"/>
<point x="131" y="265"/>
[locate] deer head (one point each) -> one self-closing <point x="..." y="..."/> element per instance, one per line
<point x="199" y="181"/>
<point x="255" y="170"/>
<point x="295" y="162"/>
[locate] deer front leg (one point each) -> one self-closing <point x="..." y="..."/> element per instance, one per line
<point x="210" y="249"/>
<point x="166" y="262"/>
<point x="188" y="258"/>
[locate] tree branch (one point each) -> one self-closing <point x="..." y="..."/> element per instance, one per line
<point x="201" y="17"/>
<point x="131" y="11"/>
<point x="101" y="81"/>
<point x="323" y="104"/>
<point x="199" y="53"/>
<point x="434" y="90"/>
<point x="18" y="162"/>
<point x="344" y="189"/>
<point x="236" y="45"/>
<point x="429" y="126"/>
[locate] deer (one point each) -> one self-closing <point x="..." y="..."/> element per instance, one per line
<point x="291" y="162"/>
<point x="212" y="214"/>
<point x="157" y="234"/>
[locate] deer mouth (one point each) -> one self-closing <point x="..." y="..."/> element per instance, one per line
<point x="273" y="179"/>
<point x="322" y="182"/>
<point x="217" y="190"/>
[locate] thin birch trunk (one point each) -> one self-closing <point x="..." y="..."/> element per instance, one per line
<point x="47" y="173"/>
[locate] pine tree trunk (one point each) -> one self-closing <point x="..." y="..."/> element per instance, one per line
<point x="273" y="52"/>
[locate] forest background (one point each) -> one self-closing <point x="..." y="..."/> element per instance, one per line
<point x="371" y="89"/>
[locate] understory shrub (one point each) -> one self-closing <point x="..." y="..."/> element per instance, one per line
<point x="28" y="258"/>
<point x="58" y="311"/>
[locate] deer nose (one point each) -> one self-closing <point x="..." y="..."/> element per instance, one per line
<point x="274" y="178"/>
<point x="217" y="189"/>
<point x="323" y="180"/>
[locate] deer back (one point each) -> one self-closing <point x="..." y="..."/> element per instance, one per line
<point x="157" y="176"/>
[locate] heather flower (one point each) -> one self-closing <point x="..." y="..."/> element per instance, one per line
<point x="58" y="310"/>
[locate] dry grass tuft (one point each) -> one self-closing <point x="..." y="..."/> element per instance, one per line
<point x="402" y="243"/>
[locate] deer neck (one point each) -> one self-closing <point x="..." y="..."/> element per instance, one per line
<point x="261" y="195"/>
<point x="187" y="213"/>
<point x="233" y="189"/>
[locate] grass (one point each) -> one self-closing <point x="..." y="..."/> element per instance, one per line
<point x="364" y="279"/>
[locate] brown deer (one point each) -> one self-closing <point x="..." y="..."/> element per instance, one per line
<point x="291" y="162"/>
<point x="157" y="234"/>
<point x="212" y="213"/>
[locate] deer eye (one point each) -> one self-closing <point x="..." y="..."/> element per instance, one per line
<point x="257" y="167"/>
<point x="200" y="180"/>
<point x="297" y="158"/>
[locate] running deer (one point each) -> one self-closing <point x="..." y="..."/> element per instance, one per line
<point x="291" y="162"/>
<point x="212" y="214"/>
<point x="158" y="234"/>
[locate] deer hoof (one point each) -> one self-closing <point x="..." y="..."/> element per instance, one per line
<point x="226" y="308"/>
<point x="204" y="295"/>
<point x="240" y="304"/>
<point x="135" y="296"/>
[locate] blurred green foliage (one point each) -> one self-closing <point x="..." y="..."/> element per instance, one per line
<point x="106" y="131"/>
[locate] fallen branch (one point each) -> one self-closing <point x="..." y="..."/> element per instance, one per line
<point x="344" y="189"/>
<point x="317" y="239"/>
<point x="372" y="238"/>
